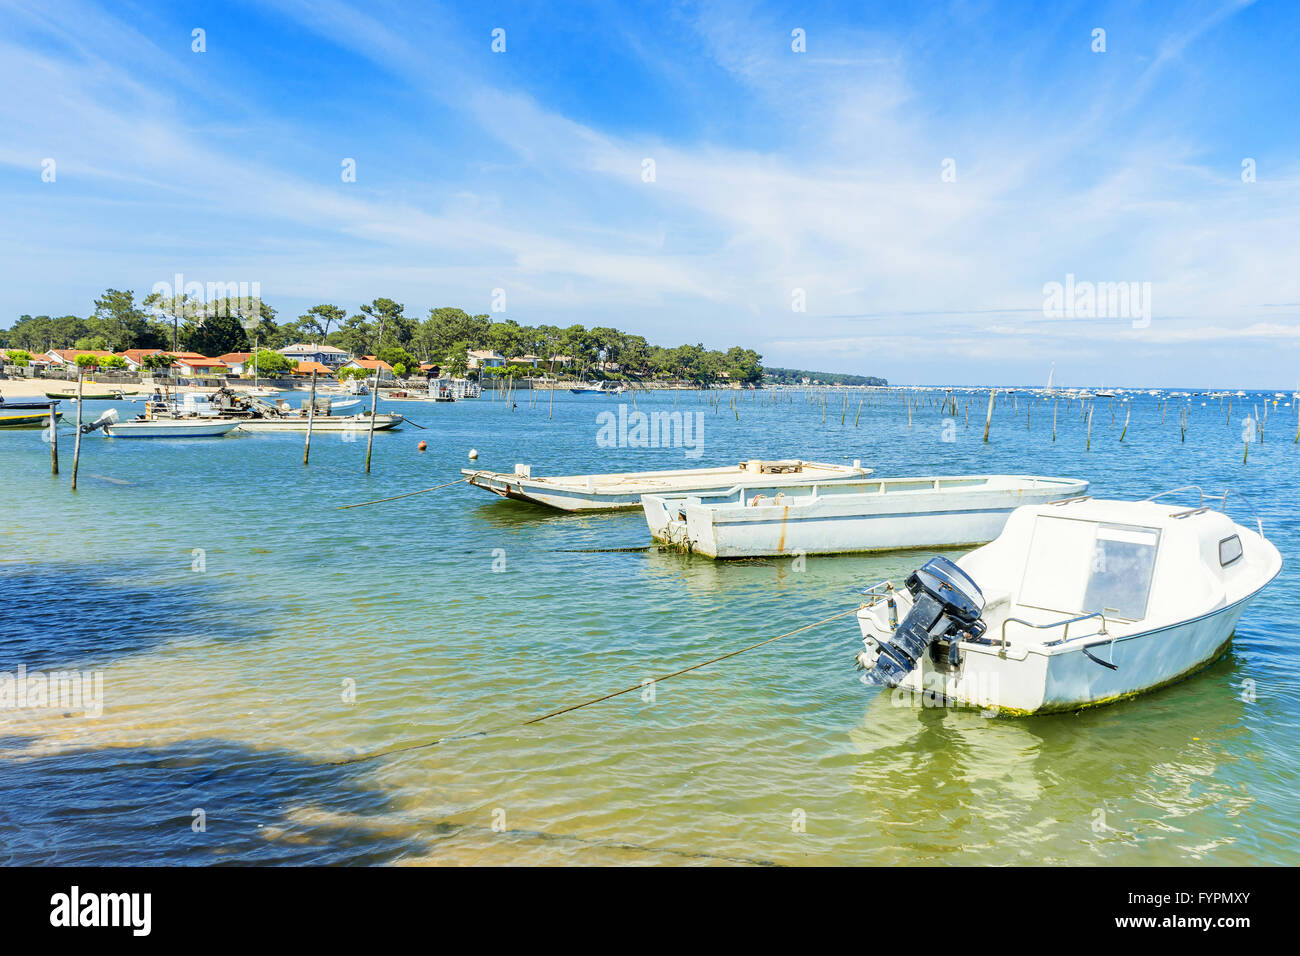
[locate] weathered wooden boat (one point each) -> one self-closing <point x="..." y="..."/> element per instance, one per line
<point x="883" y="514"/>
<point x="1075" y="604"/>
<point x="624" y="489"/>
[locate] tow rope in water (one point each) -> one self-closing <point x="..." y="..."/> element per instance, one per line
<point x="362" y="504"/>
<point x="587" y="703"/>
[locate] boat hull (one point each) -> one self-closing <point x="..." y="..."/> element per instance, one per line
<point x="323" y="423"/>
<point x="171" y="429"/>
<point x="622" y="491"/>
<point x="845" y="523"/>
<point x="26" y="419"/>
<point x="87" y="397"/>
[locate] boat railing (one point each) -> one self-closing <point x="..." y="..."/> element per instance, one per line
<point x="882" y="591"/>
<point x="1065" y="636"/>
<point x="1202" y="506"/>
<point x="878" y="591"/>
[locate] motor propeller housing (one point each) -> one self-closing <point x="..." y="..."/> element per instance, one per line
<point x="103" y="421"/>
<point x="946" y="605"/>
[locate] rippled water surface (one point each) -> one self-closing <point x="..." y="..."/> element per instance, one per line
<point x="231" y="607"/>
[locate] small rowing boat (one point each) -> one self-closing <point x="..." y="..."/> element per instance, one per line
<point x="27" y="414"/>
<point x="86" y="396"/>
<point x="885" y="514"/>
<point x="1075" y="604"/>
<point x="624" y="489"/>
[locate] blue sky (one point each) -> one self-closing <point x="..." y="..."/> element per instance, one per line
<point x="775" y="171"/>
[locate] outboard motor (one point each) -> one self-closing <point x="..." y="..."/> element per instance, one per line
<point x="108" y="418"/>
<point x="946" y="607"/>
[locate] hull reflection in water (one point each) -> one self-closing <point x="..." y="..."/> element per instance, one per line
<point x="1116" y="784"/>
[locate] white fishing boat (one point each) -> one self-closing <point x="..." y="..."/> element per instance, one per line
<point x="170" y="428"/>
<point x="624" y="489"/>
<point x="884" y="514"/>
<point x="320" y="423"/>
<point x="1075" y="604"/>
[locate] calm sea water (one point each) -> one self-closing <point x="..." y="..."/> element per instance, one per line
<point x="233" y="611"/>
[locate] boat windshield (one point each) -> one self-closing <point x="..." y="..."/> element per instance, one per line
<point x="1082" y="567"/>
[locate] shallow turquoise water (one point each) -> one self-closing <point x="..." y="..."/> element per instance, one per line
<point x="224" y="688"/>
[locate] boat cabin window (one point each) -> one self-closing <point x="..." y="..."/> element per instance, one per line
<point x="1229" y="550"/>
<point x="1081" y="567"/>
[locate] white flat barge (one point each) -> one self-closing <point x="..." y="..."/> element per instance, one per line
<point x="320" y="423"/>
<point x="885" y="514"/>
<point x="625" y="489"/>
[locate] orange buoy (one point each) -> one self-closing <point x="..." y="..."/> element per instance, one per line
<point x="422" y="446"/>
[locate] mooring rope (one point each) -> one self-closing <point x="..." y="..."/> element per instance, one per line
<point x="587" y="703"/>
<point x="362" y="504"/>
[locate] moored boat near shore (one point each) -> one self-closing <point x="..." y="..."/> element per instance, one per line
<point x="1075" y="604"/>
<point x="320" y="423"/>
<point x="86" y="396"/>
<point x="624" y="489"/>
<point x="884" y="514"/>
<point x="27" y="415"/>
<point x="170" y="428"/>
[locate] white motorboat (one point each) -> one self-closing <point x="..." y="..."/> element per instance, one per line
<point x="1076" y="604"/>
<point x="598" y="388"/>
<point x="171" y="428"/>
<point x="883" y="514"/>
<point x="624" y="489"/>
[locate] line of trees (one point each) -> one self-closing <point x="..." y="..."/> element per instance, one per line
<point x="797" y="376"/>
<point x="380" y="327"/>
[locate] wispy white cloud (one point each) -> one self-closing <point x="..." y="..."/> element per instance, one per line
<point x="841" y="198"/>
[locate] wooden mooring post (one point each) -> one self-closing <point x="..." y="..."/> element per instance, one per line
<point x="311" y="418"/>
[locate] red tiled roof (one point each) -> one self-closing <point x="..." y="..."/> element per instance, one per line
<point x="371" y="362"/>
<point x="71" y="355"/>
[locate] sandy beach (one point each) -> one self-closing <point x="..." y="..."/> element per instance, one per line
<point x="28" y="388"/>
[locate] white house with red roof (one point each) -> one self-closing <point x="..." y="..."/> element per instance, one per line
<point x="194" y="365"/>
<point x="236" y="361"/>
<point x="67" y="358"/>
<point x="135" y="357"/>
<point x="370" y="364"/>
